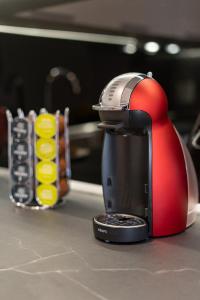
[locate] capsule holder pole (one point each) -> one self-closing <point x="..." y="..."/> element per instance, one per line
<point x="39" y="158"/>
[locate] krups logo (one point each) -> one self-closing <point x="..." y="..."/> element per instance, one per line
<point x="102" y="230"/>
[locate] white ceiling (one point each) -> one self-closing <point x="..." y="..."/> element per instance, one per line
<point x="171" y="18"/>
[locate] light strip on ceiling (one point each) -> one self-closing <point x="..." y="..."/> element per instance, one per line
<point x="68" y="35"/>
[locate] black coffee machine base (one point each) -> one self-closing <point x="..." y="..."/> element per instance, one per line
<point x="120" y="228"/>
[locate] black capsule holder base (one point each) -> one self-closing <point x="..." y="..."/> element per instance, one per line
<point x="34" y="204"/>
<point x="120" y="228"/>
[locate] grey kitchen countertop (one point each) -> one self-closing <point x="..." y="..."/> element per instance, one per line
<point x="52" y="255"/>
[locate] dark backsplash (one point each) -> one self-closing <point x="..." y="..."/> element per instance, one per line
<point x="26" y="61"/>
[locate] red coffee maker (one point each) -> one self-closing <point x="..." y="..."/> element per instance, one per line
<point x="149" y="182"/>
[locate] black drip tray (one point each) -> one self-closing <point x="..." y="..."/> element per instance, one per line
<point x="120" y="228"/>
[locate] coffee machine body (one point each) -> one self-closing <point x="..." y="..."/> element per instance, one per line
<point x="146" y="169"/>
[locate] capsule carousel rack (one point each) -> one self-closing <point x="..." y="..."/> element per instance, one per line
<point x="39" y="158"/>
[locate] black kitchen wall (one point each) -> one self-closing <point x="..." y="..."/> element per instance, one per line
<point x="25" y="62"/>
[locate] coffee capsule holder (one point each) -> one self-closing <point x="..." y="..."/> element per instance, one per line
<point x="34" y="156"/>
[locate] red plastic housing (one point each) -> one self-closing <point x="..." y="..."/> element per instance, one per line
<point x="169" y="174"/>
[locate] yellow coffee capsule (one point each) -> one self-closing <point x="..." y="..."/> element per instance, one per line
<point x="47" y="195"/>
<point x="46" y="172"/>
<point x="46" y="149"/>
<point x="45" y="125"/>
